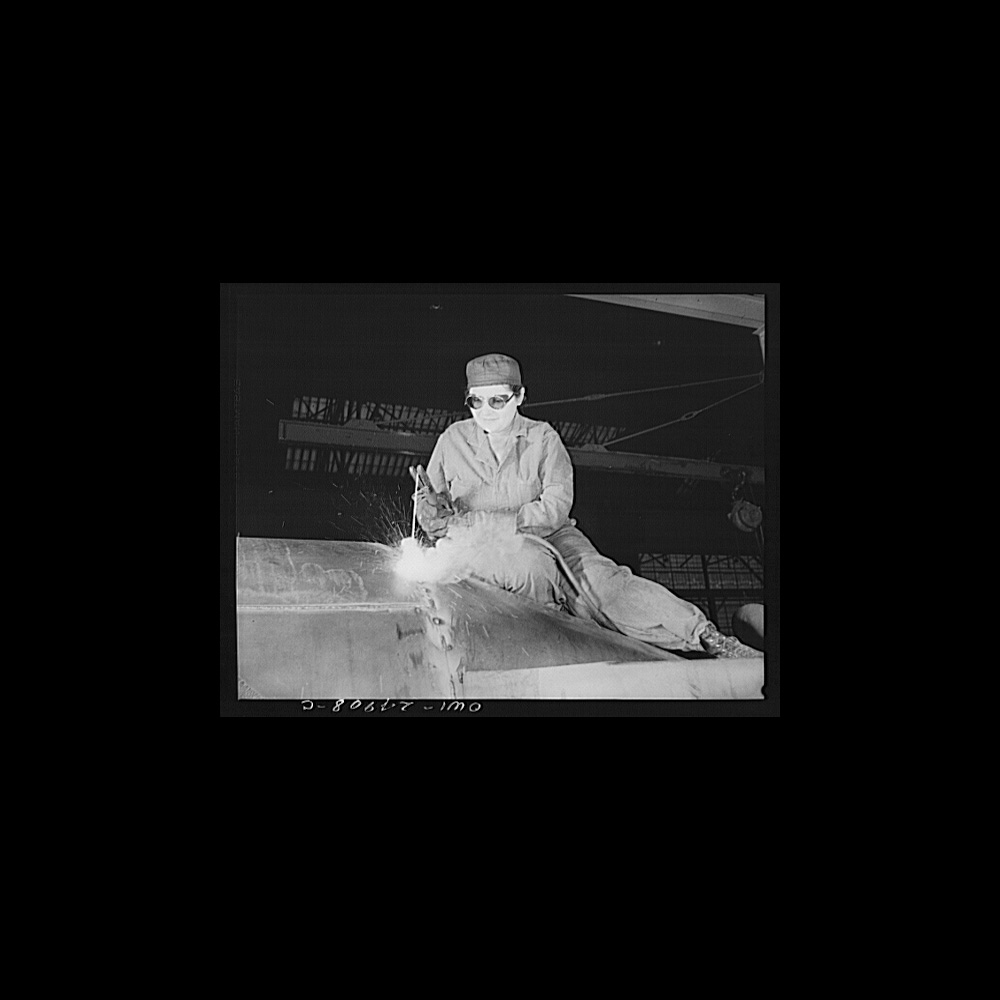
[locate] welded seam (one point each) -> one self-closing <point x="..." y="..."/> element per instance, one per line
<point x="440" y="637"/>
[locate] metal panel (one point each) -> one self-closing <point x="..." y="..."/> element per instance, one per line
<point x="318" y="619"/>
<point x="323" y="619"/>
<point x="713" y="679"/>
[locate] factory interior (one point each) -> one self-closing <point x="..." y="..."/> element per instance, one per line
<point x="666" y="398"/>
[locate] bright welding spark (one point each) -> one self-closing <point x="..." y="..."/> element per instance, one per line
<point x="417" y="563"/>
<point x="452" y="558"/>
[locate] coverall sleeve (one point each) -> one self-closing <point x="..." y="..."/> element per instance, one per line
<point x="435" y="466"/>
<point x="551" y="510"/>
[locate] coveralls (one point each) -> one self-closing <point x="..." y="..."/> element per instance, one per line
<point x="531" y="490"/>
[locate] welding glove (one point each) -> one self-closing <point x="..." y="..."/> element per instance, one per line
<point x="434" y="510"/>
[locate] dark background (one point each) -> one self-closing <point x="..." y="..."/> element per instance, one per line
<point x="408" y="344"/>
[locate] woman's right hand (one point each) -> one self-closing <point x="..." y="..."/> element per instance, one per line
<point x="434" y="511"/>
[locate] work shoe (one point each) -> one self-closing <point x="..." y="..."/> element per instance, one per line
<point x="726" y="647"/>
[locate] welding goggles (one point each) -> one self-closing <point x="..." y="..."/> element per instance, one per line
<point x="496" y="402"/>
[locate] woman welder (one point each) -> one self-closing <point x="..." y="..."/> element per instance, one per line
<point x="513" y="474"/>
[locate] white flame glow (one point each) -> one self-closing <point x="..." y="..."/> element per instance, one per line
<point x="474" y="550"/>
<point x="420" y="564"/>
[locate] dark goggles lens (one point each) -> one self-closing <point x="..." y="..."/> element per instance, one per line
<point x="497" y="402"/>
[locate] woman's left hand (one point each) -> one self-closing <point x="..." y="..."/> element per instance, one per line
<point x="503" y="520"/>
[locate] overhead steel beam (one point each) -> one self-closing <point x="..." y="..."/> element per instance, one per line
<point x="740" y="310"/>
<point x="365" y="434"/>
<point x="356" y="434"/>
<point x="599" y="458"/>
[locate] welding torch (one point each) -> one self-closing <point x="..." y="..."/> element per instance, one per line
<point x="424" y="491"/>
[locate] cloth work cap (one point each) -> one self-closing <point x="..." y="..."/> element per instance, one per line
<point x="492" y="369"/>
